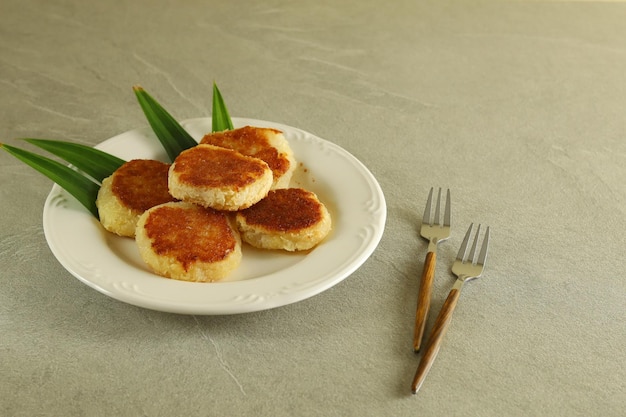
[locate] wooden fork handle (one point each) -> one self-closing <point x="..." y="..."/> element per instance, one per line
<point x="434" y="342"/>
<point x="423" y="299"/>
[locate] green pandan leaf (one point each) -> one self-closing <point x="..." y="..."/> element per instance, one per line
<point x="220" y="118"/>
<point x="170" y="133"/>
<point x="98" y="164"/>
<point x="82" y="188"/>
<point x="92" y="161"/>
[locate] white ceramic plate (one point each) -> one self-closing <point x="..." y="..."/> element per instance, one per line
<point x="265" y="279"/>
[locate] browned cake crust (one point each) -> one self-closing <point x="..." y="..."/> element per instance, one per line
<point x="285" y="210"/>
<point x="211" y="166"/>
<point x="188" y="242"/>
<point x="264" y="143"/>
<point x="288" y="218"/>
<point x="141" y="184"/>
<point x="132" y="189"/>
<point x="219" y="178"/>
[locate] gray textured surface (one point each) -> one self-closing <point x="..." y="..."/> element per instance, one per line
<point x="518" y="107"/>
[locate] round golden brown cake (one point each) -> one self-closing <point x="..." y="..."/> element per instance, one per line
<point x="267" y="144"/>
<point x="288" y="218"/>
<point x="133" y="188"/>
<point x="188" y="242"/>
<point x="220" y="178"/>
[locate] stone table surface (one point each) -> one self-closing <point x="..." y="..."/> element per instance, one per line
<point x="517" y="106"/>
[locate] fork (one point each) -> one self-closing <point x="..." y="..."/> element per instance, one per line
<point x="435" y="232"/>
<point x="466" y="268"/>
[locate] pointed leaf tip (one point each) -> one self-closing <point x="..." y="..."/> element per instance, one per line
<point x="220" y="120"/>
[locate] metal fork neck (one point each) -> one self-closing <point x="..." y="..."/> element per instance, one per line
<point x="458" y="284"/>
<point x="432" y="244"/>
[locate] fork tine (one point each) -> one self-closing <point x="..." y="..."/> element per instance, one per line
<point x="437" y="208"/>
<point x="426" y="218"/>
<point x="482" y="257"/>
<point x="472" y="254"/>
<point x="446" y="214"/>
<point x="461" y="255"/>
